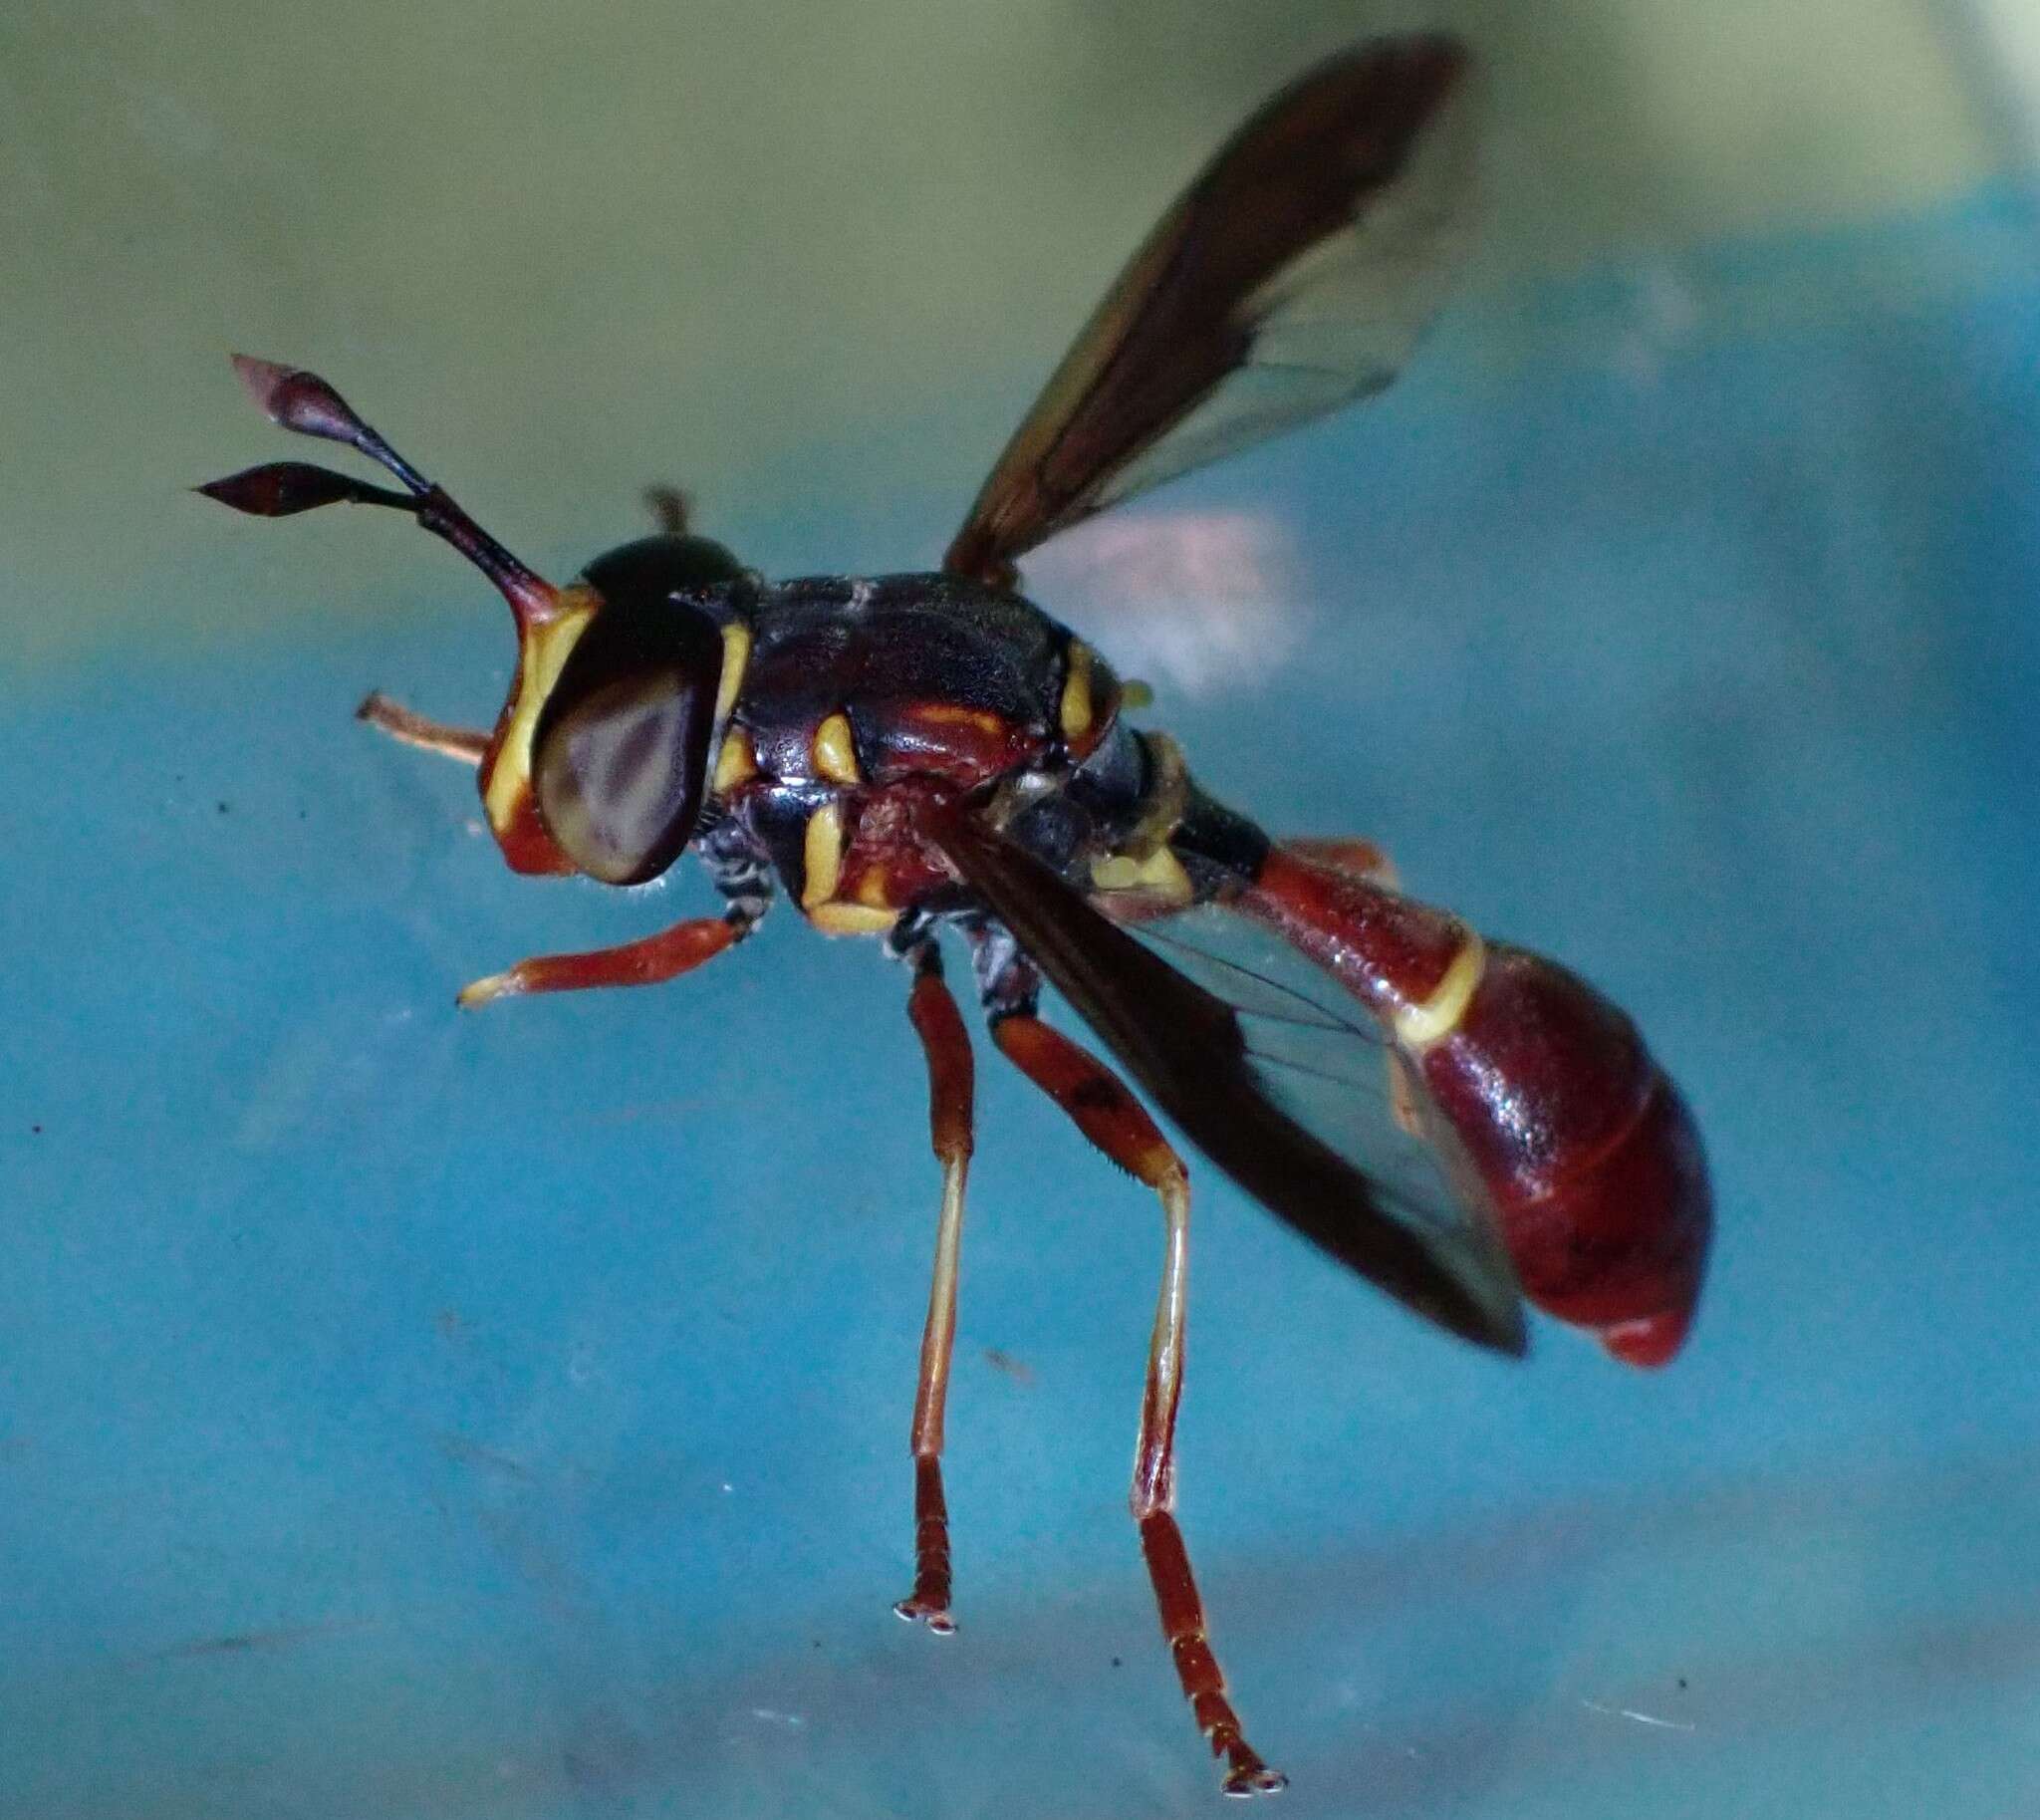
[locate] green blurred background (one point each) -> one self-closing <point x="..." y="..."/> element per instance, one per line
<point x="585" y="246"/>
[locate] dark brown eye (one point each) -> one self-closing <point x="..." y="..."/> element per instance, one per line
<point x="620" y="752"/>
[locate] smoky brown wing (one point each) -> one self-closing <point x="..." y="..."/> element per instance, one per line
<point x="1184" y="1043"/>
<point x="1293" y="276"/>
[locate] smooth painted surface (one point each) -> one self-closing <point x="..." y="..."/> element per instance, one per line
<point x="416" y="1413"/>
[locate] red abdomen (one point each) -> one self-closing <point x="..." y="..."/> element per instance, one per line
<point x="1577" y="1139"/>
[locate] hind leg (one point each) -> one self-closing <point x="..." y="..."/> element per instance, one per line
<point x="1104" y="1110"/>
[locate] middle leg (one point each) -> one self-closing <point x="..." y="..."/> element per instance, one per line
<point x="951" y="1080"/>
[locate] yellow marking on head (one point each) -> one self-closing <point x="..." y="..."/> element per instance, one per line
<point x="838" y="918"/>
<point x="1419" y="1026"/>
<point x="1161" y="874"/>
<point x="736" y="656"/>
<point x="875" y="890"/>
<point x="735" y="762"/>
<point x="834" y="754"/>
<point x="822" y="856"/>
<point x="1076" y="710"/>
<point x="539" y="654"/>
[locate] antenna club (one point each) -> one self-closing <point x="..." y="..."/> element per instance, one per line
<point x="300" y="400"/>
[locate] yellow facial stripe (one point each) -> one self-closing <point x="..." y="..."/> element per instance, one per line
<point x="851" y="918"/>
<point x="736" y="656"/>
<point x="1076" y="710"/>
<point x="1160" y="872"/>
<point x="834" y="753"/>
<point x="1419" y="1026"/>
<point x="822" y="856"/>
<point x="735" y="762"/>
<point x="540" y="654"/>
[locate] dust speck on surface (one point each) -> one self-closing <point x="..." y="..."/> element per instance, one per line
<point x="250" y="1643"/>
<point x="1016" y="1369"/>
<point x="465" y="1452"/>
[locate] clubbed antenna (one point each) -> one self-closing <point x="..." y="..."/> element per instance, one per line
<point x="279" y="488"/>
<point x="303" y="402"/>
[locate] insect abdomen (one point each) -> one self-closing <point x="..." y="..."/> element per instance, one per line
<point x="1535" y="1084"/>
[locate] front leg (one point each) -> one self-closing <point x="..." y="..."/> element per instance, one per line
<point x="468" y="744"/>
<point x="738" y="874"/>
<point x="646" y="962"/>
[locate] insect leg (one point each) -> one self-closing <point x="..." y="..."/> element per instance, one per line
<point x="652" y="959"/>
<point x="468" y="744"/>
<point x="669" y="509"/>
<point x="646" y="962"/>
<point x="951" y="1080"/>
<point x="1107" y="1113"/>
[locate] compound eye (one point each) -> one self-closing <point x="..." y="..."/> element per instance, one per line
<point x="620" y="752"/>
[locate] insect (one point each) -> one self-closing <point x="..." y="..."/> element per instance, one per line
<point x="1464" y="1124"/>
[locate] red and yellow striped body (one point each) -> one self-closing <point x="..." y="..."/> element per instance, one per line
<point x="1538" y="1089"/>
<point x="854" y="700"/>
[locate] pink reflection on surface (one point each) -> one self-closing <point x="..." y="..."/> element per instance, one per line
<point x="1192" y="601"/>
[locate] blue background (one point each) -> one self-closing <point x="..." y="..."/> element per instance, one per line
<point x="407" y="1413"/>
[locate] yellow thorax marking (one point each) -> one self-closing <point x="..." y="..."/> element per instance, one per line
<point x="1169" y="793"/>
<point x="822" y="853"/>
<point x="1160" y="872"/>
<point x="955" y="714"/>
<point x="822" y="856"/>
<point x="1076" y="710"/>
<point x="540" y="654"/>
<point x="833" y="755"/>
<point x="737" y="655"/>
<point x="1419" y="1026"/>
<point x="851" y="918"/>
<point x="735" y="762"/>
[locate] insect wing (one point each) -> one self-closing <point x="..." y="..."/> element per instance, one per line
<point x="1326" y="1064"/>
<point x="1203" y="1055"/>
<point x="1292" y="277"/>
